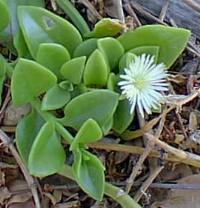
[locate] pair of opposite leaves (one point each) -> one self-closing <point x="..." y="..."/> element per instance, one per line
<point x="37" y="149"/>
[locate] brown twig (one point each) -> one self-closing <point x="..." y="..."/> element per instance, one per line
<point x="131" y="12"/>
<point x="5" y="103"/>
<point x="138" y="166"/>
<point x="164" y="10"/>
<point x="138" y="151"/>
<point x="176" y="186"/>
<point x="29" y="179"/>
<point x="91" y="8"/>
<point x="140" y="9"/>
<point x="194" y="5"/>
<point x="187" y="157"/>
<point x="157" y="170"/>
<point x="129" y="135"/>
<point x="147" y="183"/>
<point x="119" y="10"/>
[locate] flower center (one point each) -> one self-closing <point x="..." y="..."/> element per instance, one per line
<point x="140" y="83"/>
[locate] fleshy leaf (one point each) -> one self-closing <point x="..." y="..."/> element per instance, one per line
<point x="125" y="61"/>
<point x="86" y="48"/>
<point x="98" y="105"/>
<point x="112" y="50"/>
<point x="89" y="173"/>
<point x="171" y="41"/>
<point x="106" y="27"/>
<point x="122" y="117"/>
<point x="47" y="155"/>
<point x="151" y="50"/>
<point x="3" y="67"/>
<point x="26" y="132"/>
<point x="112" y="82"/>
<point x="73" y="69"/>
<point x="52" y="56"/>
<point x="66" y="85"/>
<point x="96" y="70"/>
<point x="55" y="98"/>
<point x="106" y="127"/>
<point x="89" y="132"/>
<point x="29" y="80"/>
<point x="41" y="26"/>
<point x="4" y="15"/>
<point x="12" y="34"/>
<point x="74" y="15"/>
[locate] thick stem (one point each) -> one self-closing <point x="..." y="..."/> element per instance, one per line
<point x="112" y="191"/>
<point x="49" y="117"/>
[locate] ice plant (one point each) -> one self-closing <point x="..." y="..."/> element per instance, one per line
<point x="55" y="73"/>
<point x="143" y="84"/>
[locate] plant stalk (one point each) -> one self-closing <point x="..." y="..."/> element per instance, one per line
<point x="110" y="190"/>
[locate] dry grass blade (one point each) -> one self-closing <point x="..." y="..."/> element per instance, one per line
<point x="192" y="4"/>
<point x="29" y="179"/>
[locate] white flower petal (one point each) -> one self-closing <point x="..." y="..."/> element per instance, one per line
<point x="142" y="83"/>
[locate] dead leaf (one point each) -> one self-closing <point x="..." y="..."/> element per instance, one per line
<point x="14" y="114"/>
<point x="27" y="204"/>
<point x="4" y="194"/>
<point x="19" y="199"/>
<point x="193" y="123"/>
<point x="71" y="204"/>
<point x="182" y="198"/>
<point x="18" y="185"/>
<point x="114" y="9"/>
<point x="178" y="78"/>
<point x="2" y="178"/>
<point x="57" y="195"/>
<point x="51" y="197"/>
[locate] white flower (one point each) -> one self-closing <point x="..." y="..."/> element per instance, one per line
<point x="143" y="84"/>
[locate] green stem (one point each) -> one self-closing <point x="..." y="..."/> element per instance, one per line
<point x="49" y="117"/>
<point x="64" y="133"/>
<point x="74" y="15"/>
<point x="112" y="191"/>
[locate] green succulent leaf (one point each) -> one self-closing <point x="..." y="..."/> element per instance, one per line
<point x="125" y="61"/>
<point x="55" y="98"/>
<point x="106" y="127"/>
<point x="52" y="56"/>
<point x="73" y="69"/>
<point x="41" y="26"/>
<point x="3" y="70"/>
<point x="29" y="80"/>
<point x="47" y="155"/>
<point x="171" y="41"/>
<point x="26" y="132"/>
<point x="106" y="27"/>
<point x="98" y="105"/>
<point x="112" y="50"/>
<point x="89" y="132"/>
<point x="4" y="15"/>
<point x="12" y="35"/>
<point x="86" y="48"/>
<point x="74" y="15"/>
<point x="122" y="117"/>
<point x="89" y="173"/>
<point x="96" y="70"/>
<point x="112" y="82"/>
<point x="151" y="50"/>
